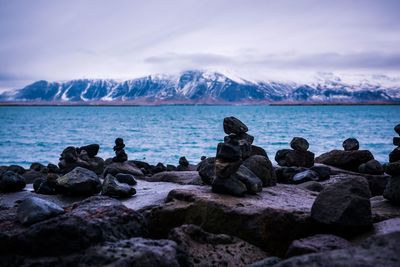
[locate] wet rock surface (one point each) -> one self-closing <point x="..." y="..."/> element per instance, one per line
<point x="32" y="210"/>
<point x="348" y="160"/>
<point x="79" y="181"/>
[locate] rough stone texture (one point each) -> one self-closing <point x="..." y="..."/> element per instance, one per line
<point x="270" y="220"/>
<point x="382" y="209"/>
<point x="206" y="170"/>
<point x="112" y="188"/>
<point x="392" y="190"/>
<point x="299" y="143"/>
<point x="288" y="157"/>
<point x="228" y="152"/>
<point x="79" y="181"/>
<point x="351" y="144"/>
<point x="91" y="150"/>
<point x="344" y="204"/>
<point x="249" y="179"/>
<point x="378" y="251"/>
<point x="348" y="160"/>
<point x="266" y="262"/>
<point x="122" y="167"/>
<point x="234" y="125"/>
<point x="33" y="210"/>
<point x="316" y="243"/>
<point x="262" y="167"/>
<point x="224" y="169"/>
<point x="371" y="167"/>
<point x="394" y="155"/>
<point x="206" y="249"/>
<point x="11" y="182"/>
<point x="179" y="177"/>
<point x="89" y="222"/>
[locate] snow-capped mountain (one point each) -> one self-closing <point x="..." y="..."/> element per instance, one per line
<point x="204" y="87"/>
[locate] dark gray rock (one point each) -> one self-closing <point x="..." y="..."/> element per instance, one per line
<point x="392" y="190"/>
<point x="112" y="188"/>
<point x="207" y="249"/>
<point x="228" y="152"/>
<point x="324" y="172"/>
<point x="249" y="179"/>
<point x="289" y="158"/>
<point x="234" y="125"/>
<point x="15" y="168"/>
<point x="79" y="181"/>
<point x="206" y="169"/>
<point x="11" y="182"/>
<point x="396" y="141"/>
<point x="348" y="160"/>
<point x="266" y="262"/>
<point x="224" y="169"/>
<point x="183" y="161"/>
<point x="179" y="177"/>
<point x="394" y="155"/>
<point x="262" y="167"/>
<point x="36" y="166"/>
<point x="305" y="176"/>
<point x="33" y="210"/>
<point x="229" y="186"/>
<point x="126" y="178"/>
<point x="91" y="150"/>
<point x="299" y="144"/>
<point x="344" y="204"/>
<point x="315" y="244"/>
<point x="52" y="168"/>
<point x="312" y="186"/>
<point x="32" y="175"/>
<point x="285" y="175"/>
<point x="392" y="168"/>
<point x="122" y="167"/>
<point x="371" y="167"/>
<point x="256" y="150"/>
<point x="69" y="155"/>
<point x="397" y="129"/>
<point x="351" y="144"/>
<point x="45" y="187"/>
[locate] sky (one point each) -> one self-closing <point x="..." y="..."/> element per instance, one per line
<point x="62" y="40"/>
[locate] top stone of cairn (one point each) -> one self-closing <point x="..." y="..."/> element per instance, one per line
<point x="233" y="125"/>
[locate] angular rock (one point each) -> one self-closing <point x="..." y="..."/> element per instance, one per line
<point x="315" y="244"/>
<point x="249" y="179"/>
<point x="179" y="177"/>
<point x="224" y="169"/>
<point x="392" y="190"/>
<point x="371" y="167"/>
<point x="126" y="178"/>
<point x="122" y="167"/>
<point x="262" y="167"/>
<point x="393" y="168"/>
<point x="256" y="150"/>
<point x="207" y="249"/>
<point x="112" y="188"/>
<point x="33" y="210"/>
<point x="234" y="125"/>
<point x="324" y="172"/>
<point x="299" y="144"/>
<point x="348" y="160"/>
<point x="91" y="150"/>
<point x="229" y="186"/>
<point x="344" y="204"/>
<point x="305" y="176"/>
<point x="45" y="187"/>
<point x="79" y="181"/>
<point x="69" y="155"/>
<point x="394" y="155"/>
<point x="11" y="182"/>
<point x="206" y="170"/>
<point x="351" y="144"/>
<point x="289" y="158"/>
<point x="312" y="186"/>
<point x="228" y="152"/>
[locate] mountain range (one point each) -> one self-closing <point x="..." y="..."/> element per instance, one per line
<point x="206" y="87"/>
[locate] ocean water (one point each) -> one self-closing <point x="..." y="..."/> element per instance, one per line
<point x="164" y="133"/>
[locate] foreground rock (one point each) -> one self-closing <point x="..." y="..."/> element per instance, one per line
<point x="378" y="251"/>
<point x="112" y="188"/>
<point x="316" y="243"/>
<point x="11" y="182"/>
<point x="206" y="170"/>
<point x="79" y="181"/>
<point x="348" y="160"/>
<point x="92" y="221"/>
<point x="33" y="210"/>
<point x="253" y="219"/>
<point x="392" y="190"/>
<point x="206" y="249"/>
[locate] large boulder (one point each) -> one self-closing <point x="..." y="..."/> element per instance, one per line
<point x="316" y="243"/>
<point x="348" y="160"/>
<point x="112" y="188"/>
<point x="288" y="157"/>
<point x="11" y="182"/>
<point x="229" y="186"/>
<point x="207" y="249"/>
<point x="262" y="167"/>
<point x="392" y="190"/>
<point x="206" y="170"/>
<point x="344" y="204"/>
<point x="122" y="167"/>
<point x="249" y="179"/>
<point x="394" y="155"/>
<point x="32" y="210"/>
<point x="86" y="223"/>
<point x="272" y="219"/>
<point x="234" y="125"/>
<point x="79" y="181"/>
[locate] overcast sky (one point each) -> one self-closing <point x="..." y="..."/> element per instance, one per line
<point x="59" y="40"/>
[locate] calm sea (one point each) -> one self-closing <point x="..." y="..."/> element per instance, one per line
<point x="164" y="133"/>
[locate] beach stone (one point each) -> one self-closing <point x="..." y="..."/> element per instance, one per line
<point x="262" y="167"/>
<point x="324" y="172"/>
<point x="69" y="155"/>
<point x="396" y="141"/>
<point x="249" y="179"/>
<point x="344" y="204"/>
<point x="15" y="168"/>
<point x="11" y="182"/>
<point x="312" y="186"/>
<point x="183" y="161"/>
<point x="159" y="167"/>
<point x="126" y="178"/>
<point x="112" y="188"/>
<point x="52" y="168"/>
<point x="33" y="210"/>
<point x="371" y="167"/>
<point x="206" y="169"/>
<point x="228" y="152"/>
<point x="207" y="249"/>
<point x="79" y="181"/>
<point x="236" y="138"/>
<point x="377" y="251"/>
<point x="91" y="150"/>
<point x="392" y="190"/>
<point x="234" y="125"/>
<point x="44" y="186"/>
<point x="36" y="166"/>
<point x="315" y="244"/>
<point x="171" y="167"/>
<point x="178" y="177"/>
<point x="351" y="144"/>
<point x="348" y="160"/>
<point x="394" y="155"/>
<point x="290" y="158"/>
<point x="393" y="168"/>
<point x="224" y="169"/>
<point x="299" y="144"/>
<point x="32" y="175"/>
<point x="256" y="150"/>
<point x="122" y="167"/>
<point x="305" y="176"/>
<point x="86" y="223"/>
<point x="397" y="129"/>
<point x="229" y="186"/>
<point x="285" y="175"/>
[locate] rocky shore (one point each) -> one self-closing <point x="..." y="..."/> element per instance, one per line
<point x="237" y="208"/>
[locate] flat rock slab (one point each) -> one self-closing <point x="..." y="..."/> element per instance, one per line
<point x="179" y="177"/>
<point x="271" y="220"/>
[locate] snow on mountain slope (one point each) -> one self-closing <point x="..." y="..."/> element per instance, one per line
<point x="195" y="86"/>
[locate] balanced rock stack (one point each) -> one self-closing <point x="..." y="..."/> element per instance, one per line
<point x="392" y="190"/>
<point x="120" y="155"/>
<point x="236" y="170"/>
<point x="298" y="156"/>
<point x="84" y="157"/>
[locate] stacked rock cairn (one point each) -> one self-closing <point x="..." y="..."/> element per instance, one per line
<point x="392" y="190"/>
<point x="120" y="155"/>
